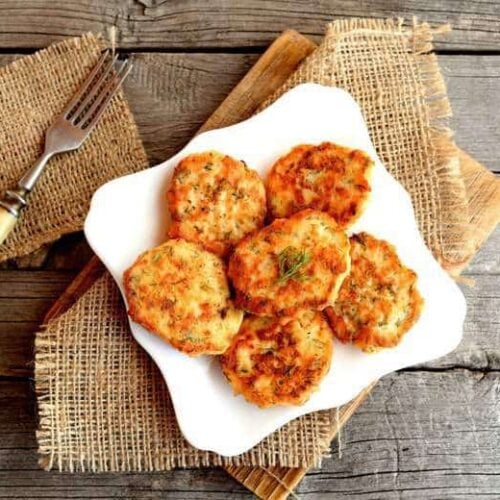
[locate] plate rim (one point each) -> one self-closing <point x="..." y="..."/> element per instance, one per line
<point x="198" y="443"/>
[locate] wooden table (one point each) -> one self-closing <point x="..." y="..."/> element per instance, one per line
<point x="432" y="431"/>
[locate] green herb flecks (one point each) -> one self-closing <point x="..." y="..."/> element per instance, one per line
<point x="290" y="263"/>
<point x="193" y="339"/>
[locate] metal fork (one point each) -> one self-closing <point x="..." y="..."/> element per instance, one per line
<point x="68" y="132"/>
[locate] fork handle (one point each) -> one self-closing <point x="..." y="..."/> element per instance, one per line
<point x="15" y="200"/>
<point x="28" y="180"/>
<point x="10" y="208"/>
<point x="7" y="222"/>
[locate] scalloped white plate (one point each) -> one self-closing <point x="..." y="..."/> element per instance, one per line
<point x="129" y="215"/>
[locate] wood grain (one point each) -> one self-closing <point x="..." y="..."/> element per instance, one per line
<point x="269" y="73"/>
<point x="232" y="23"/>
<point x="473" y="84"/>
<point x="172" y="95"/>
<point x="24" y="300"/>
<point x="391" y="448"/>
<point x="26" y="297"/>
<point x="277" y="482"/>
<point x="375" y="466"/>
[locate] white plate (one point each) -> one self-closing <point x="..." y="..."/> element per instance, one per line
<point x="129" y="215"/>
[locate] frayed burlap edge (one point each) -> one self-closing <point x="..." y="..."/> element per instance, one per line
<point x="443" y="213"/>
<point x="104" y="406"/>
<point x="33" y="91"/>
<point x="453" y="244"/>
<point x="134" y="459"/>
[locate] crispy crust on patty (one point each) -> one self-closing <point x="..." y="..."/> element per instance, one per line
<point x="326" y="177"/>
<point x="279" y="360"/>
<point x="295" y="263"/>
<point x="179" y="292"/>
<point x="215" y="200"/>
<point x="379" y="301"/>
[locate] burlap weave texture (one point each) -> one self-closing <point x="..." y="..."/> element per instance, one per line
<point x="397" y="82"/>
<point x="103" y="404"/>
<point x="33" y="91"/>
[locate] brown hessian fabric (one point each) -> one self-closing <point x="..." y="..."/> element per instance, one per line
<point x="103" y="404"/>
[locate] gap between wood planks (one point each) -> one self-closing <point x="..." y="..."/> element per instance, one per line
<point x="187" y="87"/>
<point x="230" y="23"/>
<point x="253" y="50"/>
<point x="410" y="369"/>
<point x="42" y="297"/>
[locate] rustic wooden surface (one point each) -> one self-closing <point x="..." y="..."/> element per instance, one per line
<point x="228" y="24"/>
<point x="428" y="432"/>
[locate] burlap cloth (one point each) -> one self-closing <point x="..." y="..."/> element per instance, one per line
<point x="103" y="404"/>
<point x="33" y="91"/>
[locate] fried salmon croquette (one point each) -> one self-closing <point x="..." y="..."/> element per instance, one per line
<point x="326" y="177"/>
<point x="279" y="360"/>
<point x="295" y="263"/>
<point x="379" y="301"/>
<point x="215" y="200"/>
<point x="179" y="292"/>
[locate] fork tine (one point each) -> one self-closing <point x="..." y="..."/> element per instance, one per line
<point x="94" y="91"/>
<point x="95" y="111"/>
<point x="86" y="84"/>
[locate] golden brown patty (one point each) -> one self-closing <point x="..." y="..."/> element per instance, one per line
<point x="379" y="300"/>
<point x="179" y="291"/>
<point x="280" y="360"/>
<point x="291" y="264"/>
<point x="327" y="177"/>
<point x="215" y="200"/>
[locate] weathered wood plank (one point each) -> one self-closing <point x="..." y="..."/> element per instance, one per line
<point x="482" y="187"/>
<point x="272" y="70"/>
<point x="480" y="348"/>
<point x="16" y="348"/>
<point x="231" y="23"/>
<point x="419" y="435"/>
<point x="487" y="260"/>
<point x="171" y="95"/>
<point x="472" y="81"/>
<point x="26" y="296"/>
<point x="33" y="284"/>
<point x="24" y="299"/>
